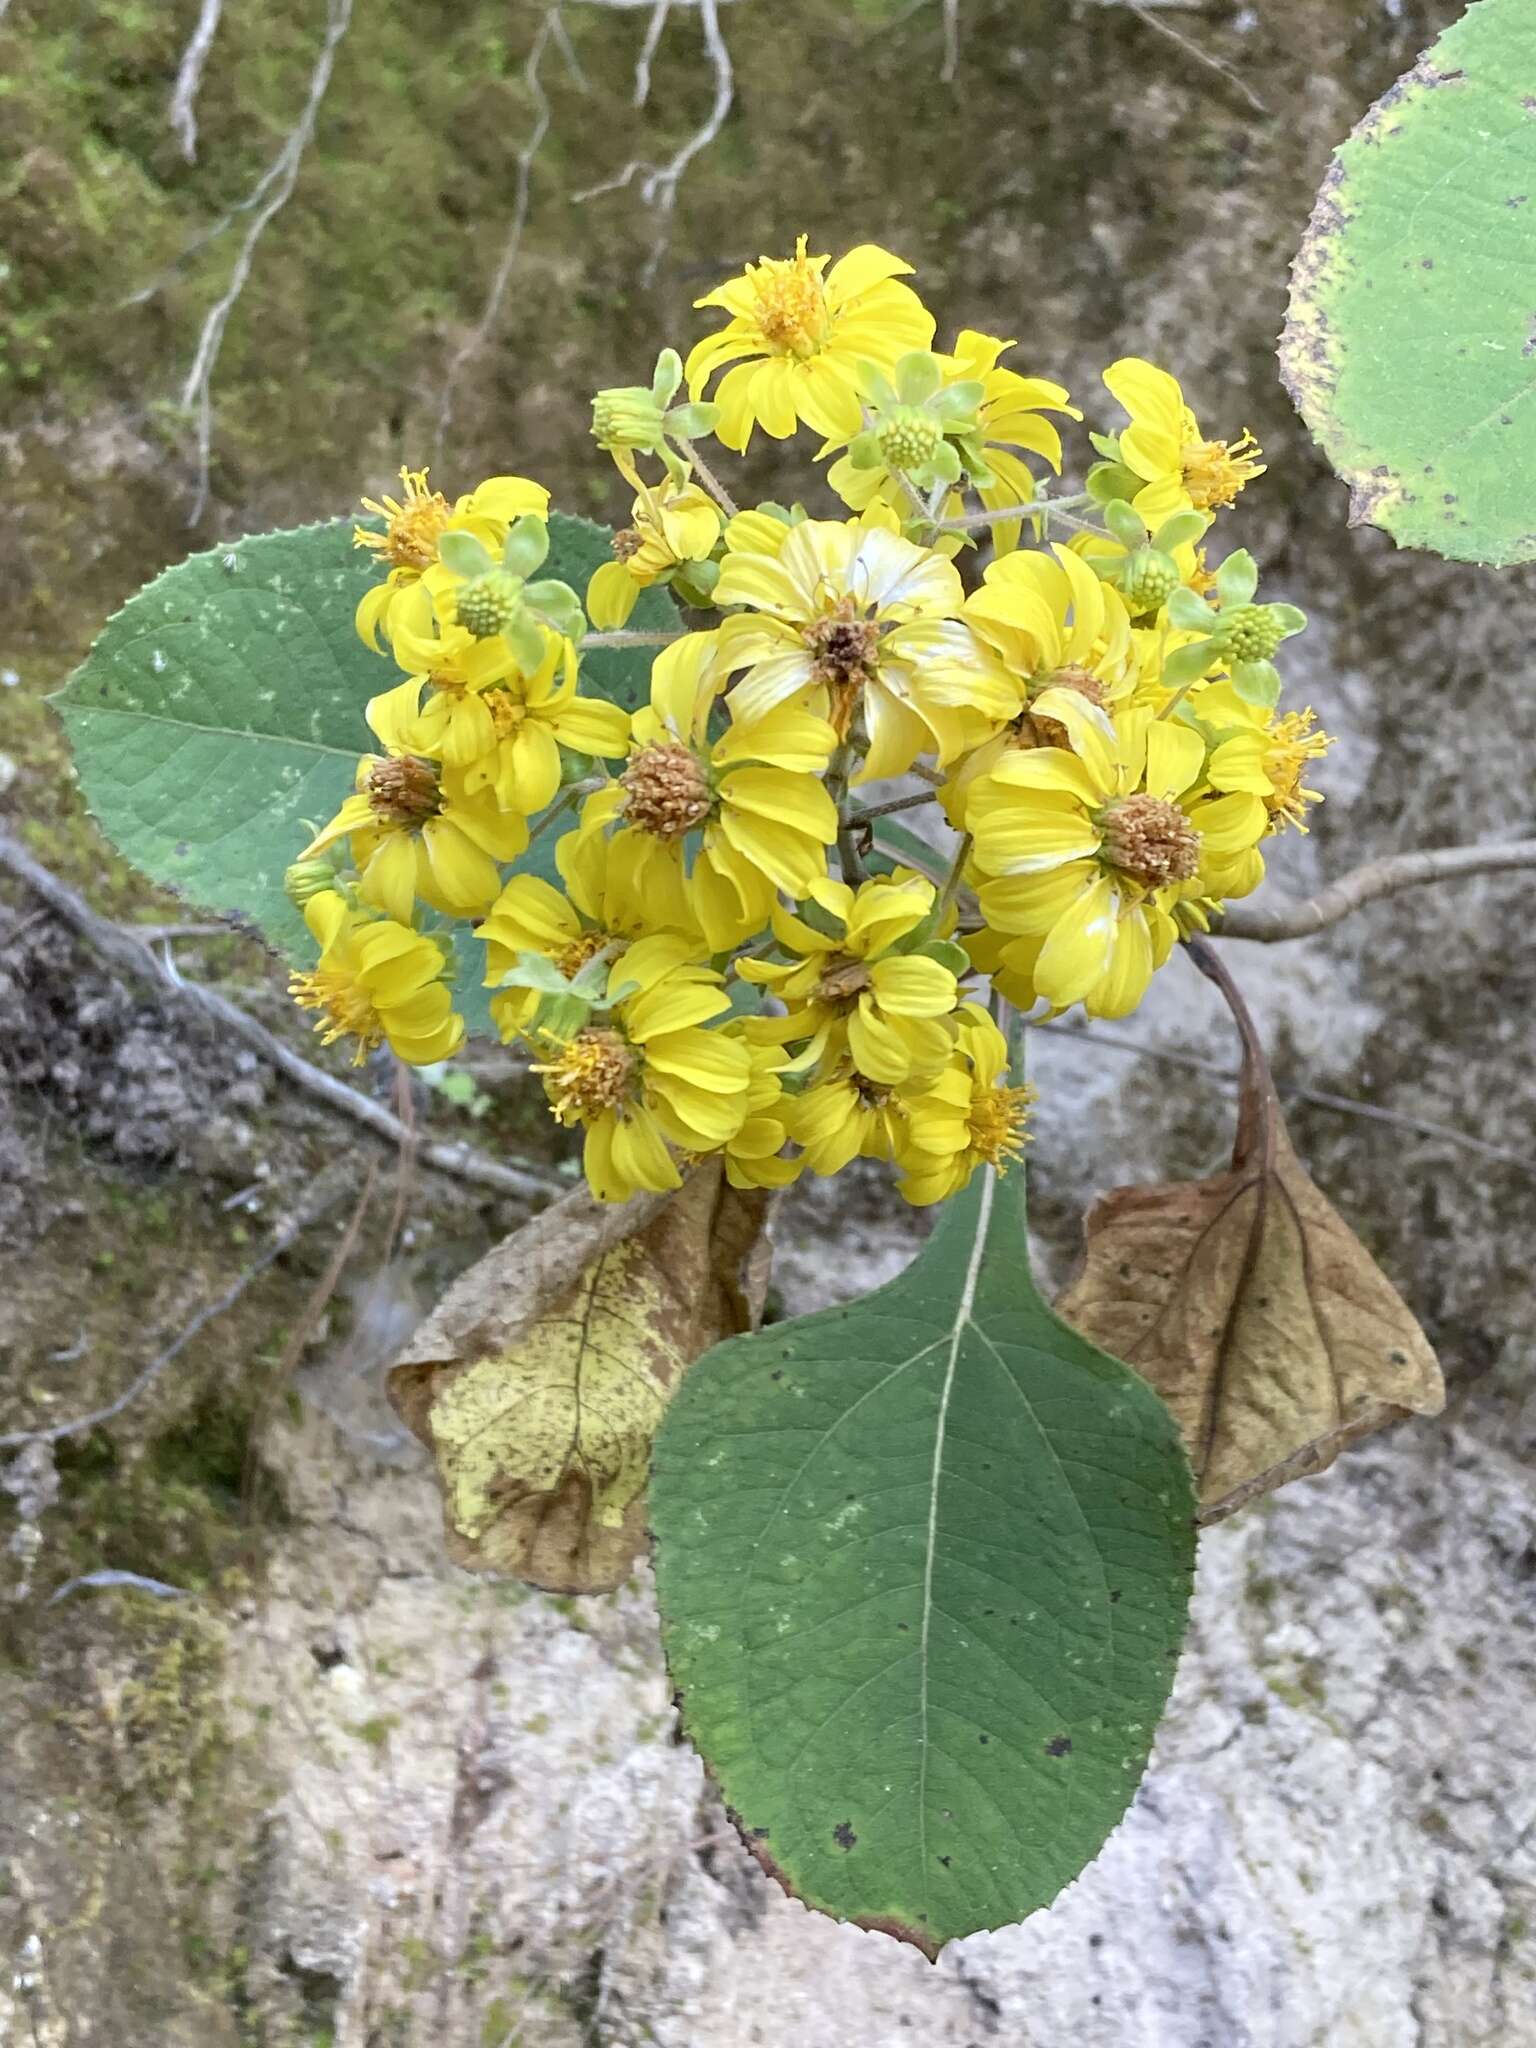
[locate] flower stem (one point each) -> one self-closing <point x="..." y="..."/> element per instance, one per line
<point x="708" y="479"/>
<point x="891" y="805"/>
<point x="623" y="637"/>
<point x="967" y="522"/>
<point x="952" y="879"/>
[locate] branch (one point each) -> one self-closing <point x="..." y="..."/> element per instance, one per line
<point x="1291" y="917"/>
<point x="1201" y="55"/>
<point x="278" y="182"/>
<point x="114" y="944"/>
<point x="183" y="109"/>
<point x="478" y="335"/>
<point x="659" y="183"/>
<point x="951" y="42"/>
<point x="891" y="805"/>
<point x="643" y="62"/>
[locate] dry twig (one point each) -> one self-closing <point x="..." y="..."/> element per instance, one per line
<point x="659" y="183"/>
<point x="183" y="109"/>
<point x="116" y="945"/>
<point x="276" y="184"/>
<point x="1290" y="917"/>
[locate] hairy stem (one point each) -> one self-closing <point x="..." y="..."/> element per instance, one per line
<point x="623" y="637"/>
<point x="968" y="522"/>
<point x="708" y="479"/>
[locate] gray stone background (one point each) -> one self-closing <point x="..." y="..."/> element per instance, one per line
<point x="339" y="1792"/>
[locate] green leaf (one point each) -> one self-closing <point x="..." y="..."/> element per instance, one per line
<point x="924" y="1566"/>
<point x="221" y="715"/>
<point x="902" y="846"/>
<point x="1411" y="342"/>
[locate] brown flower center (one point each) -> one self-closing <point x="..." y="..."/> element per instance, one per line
<point x="626" y="542"/>
<point x="590" y="1074"/>
<point x="1151" y="841"/>
<point x="403" y="791"/>
<point x="844" y="647"/>
<point x="842" y="983"/>
<point x="1035" y="731"/>
<point x="666" y="792"/>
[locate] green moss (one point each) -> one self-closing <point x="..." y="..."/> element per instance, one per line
<point x="376" y="1730"/>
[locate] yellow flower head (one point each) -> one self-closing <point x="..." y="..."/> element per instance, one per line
<point x="754" y="800"/>
<point x="970" y="1116"/>
<point x="427" y="640"/>
<point x="1264" y="753"/>
<point x="754" y="1158"/>
<point x="849" y="987"/>
<point x="595" y="914"/>
<point x="414" y="525"/>
<point x="1008" y="417"/>
<point x="1085" y="849"/>
<point x="377" y="980"/>
<point x="1164" y="447"/>
<point x="645" y="1076"/>
<point x="413" y="834"/>
<point x="506" y="736"/>
<point x="796" y="339"/>
<point x="854" y="621"/>
<point x="1057" y="626"/>
<point x="671" y="524"/>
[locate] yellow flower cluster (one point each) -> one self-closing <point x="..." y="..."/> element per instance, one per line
<point x="726" y="948"/>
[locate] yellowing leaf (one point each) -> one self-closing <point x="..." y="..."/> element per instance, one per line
<point x="539" y="1382"/>
<point x="1255" y="1311"/>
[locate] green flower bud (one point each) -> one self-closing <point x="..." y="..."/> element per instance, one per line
<point x="1148" y="579"/>
<point x="909" y="437"/>
<point x="488" y="604"/>
<point x="1250" y="632"/>
<point x="627" y="416"/>
<point x="307" y="879"/>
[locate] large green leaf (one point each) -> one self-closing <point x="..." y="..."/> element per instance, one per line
<point x="924" y="1566"/>
<point x="221" y="713"/>
<point x="1411" y="343"/>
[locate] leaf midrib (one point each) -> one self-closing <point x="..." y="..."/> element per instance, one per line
<point x="962" y="1322"/>
<point x="226" y="732"/>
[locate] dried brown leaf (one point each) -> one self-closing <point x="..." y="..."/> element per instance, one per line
<point x="539" y="1381"/>
<point x="1255" y="1311"/>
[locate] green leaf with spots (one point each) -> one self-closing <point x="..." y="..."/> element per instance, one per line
<point x="924" y="1566"/>
<point x="221" y="714"/>
<point x="1410" y="348"/>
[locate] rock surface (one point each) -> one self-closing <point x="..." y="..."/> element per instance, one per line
<point x="327" y="1790"/>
